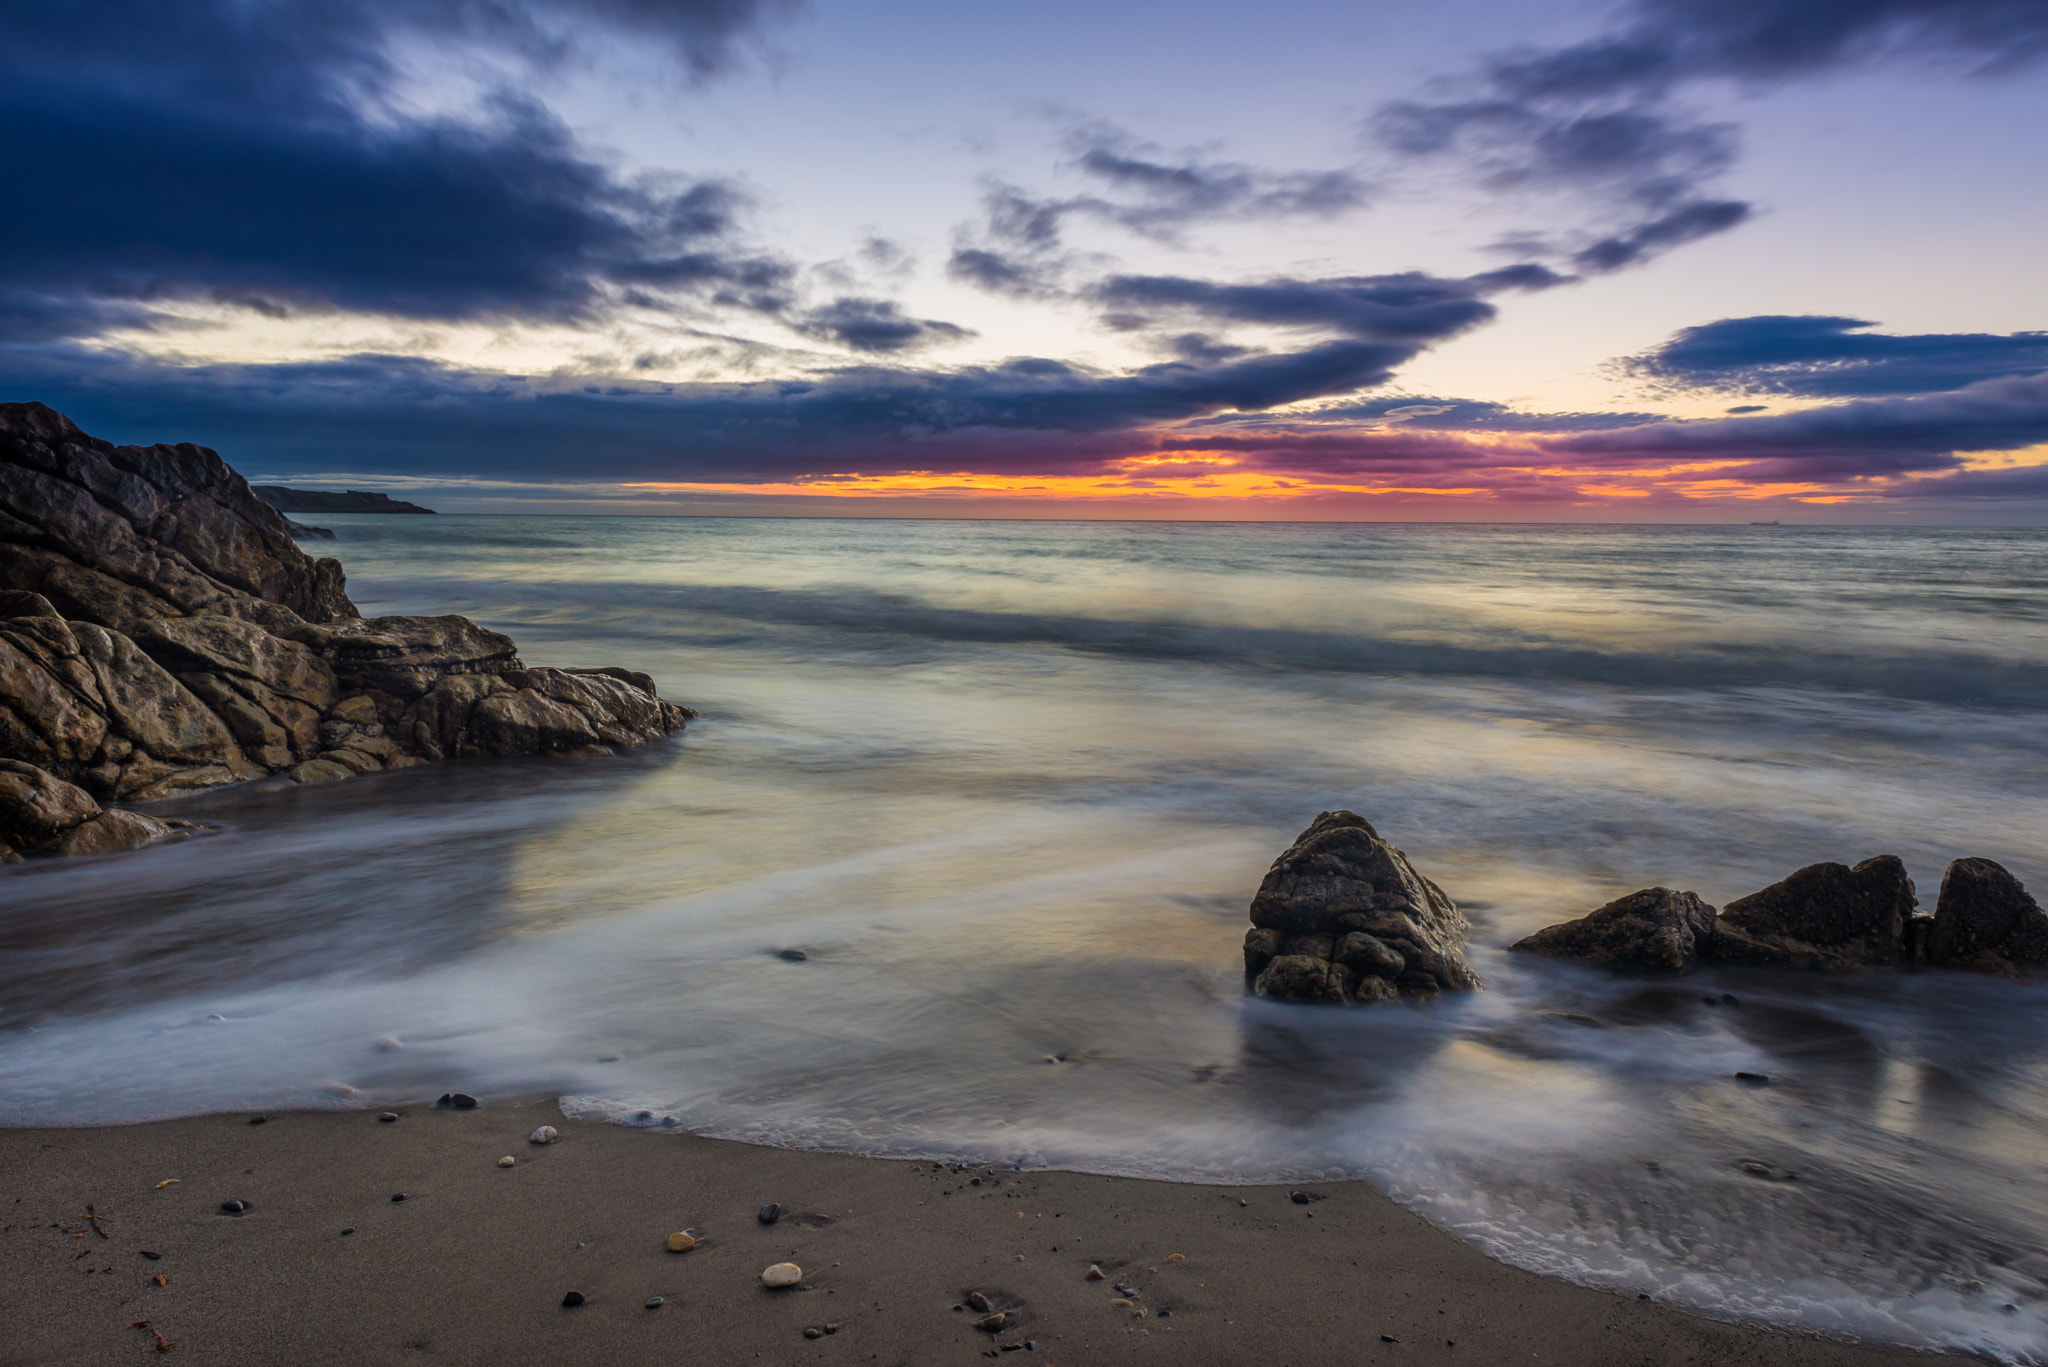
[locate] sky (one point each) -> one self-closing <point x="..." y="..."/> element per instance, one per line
<point x="1662" y="260"/>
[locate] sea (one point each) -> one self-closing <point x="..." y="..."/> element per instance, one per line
<point x="956" y="864"/>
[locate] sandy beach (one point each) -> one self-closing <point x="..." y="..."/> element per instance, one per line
<point x="472" y="1266"/>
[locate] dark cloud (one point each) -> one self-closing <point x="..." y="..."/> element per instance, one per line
<point x="1832" y="358"/>
<point x="1605" y="116"/>
<point x="1873" y="435"/>
<point x="253" y="153"/>
<point x="1406" y="308"/>
<point x="875" y="325"/>
<point x="1412" y="412"/>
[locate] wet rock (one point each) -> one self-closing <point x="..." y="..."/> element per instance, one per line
<point x="572" y="1299"/>
<point x="43" y="814"/>
<point x="781" y="1274"/>
<point x="1986" y="920"/>
<point x="813" y="1332"/>
<point x="546" y="1134"/>
<point x="1096" y="1274"/>
<point x="979" y="1302"/>
<point x="1342" y="916"/>
<point x="161" y="632"/>
<point x="795" y="956"/>
<point x="233" y="1207"/>
<point x="1825" y="916"/>
<point x="1754" y="1079"/>
<point x="1656" y="930"/>
<point x="507" y="1161"/>
<point x="388" y="1117"/>
<point x="461" y="1101"/>
<point x="769" y="1213"/>
<point x="656" y="1302"/>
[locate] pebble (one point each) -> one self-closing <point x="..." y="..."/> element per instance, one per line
<point x="462" y="1101"/>
<point x="388" y="1117"/>
<point x="546" y="1134"/>
<point x="795" y="956"/>
<point x="769" y="1213"/>
<point x="1176" y="1257"/>
<point x="506" y="1161"/>
<point x="980" y="1302"/>
<point x="233" y="1207"/>
<point x="258" y="1119"/>
<point x="574" y="1298"/>
<point x="814" y="1333"/>
<point x="1754" y="1079"/>
<point x="397" y="1196"/>
<point x="781" y="1274"/>
<point x="656" y="1302"/>
<point x="682" y="1241"/>
<point x="992" y="1324"/>
<point x="390" y="1045"/>
<point x="1121" y="1303"/>
<point x="1095" y="1274"/>
<point x="346" y="1232"/>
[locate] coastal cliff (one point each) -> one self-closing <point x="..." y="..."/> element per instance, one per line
<point x="161" y="632"/>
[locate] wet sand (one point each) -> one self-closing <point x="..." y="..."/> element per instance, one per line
<point x="472" y="1266"/>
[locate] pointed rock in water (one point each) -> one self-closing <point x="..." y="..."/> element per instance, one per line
<point x="795" y="956"/>
<point x="1656" y="930"/>
<point x="1825" y="916"/>
<point x="1986" y="920"/>
<point x="781" y="1274"/>
<point x="1344" y="917"/>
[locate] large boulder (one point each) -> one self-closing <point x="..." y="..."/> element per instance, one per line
<point x="1986" y="920"/>
<point x="1826" y="916"/>
<point x="42" y="814"/>
<point x="160" y="632"/>
<point x="1655" y="930"/>
<point x="1343" y="917"/>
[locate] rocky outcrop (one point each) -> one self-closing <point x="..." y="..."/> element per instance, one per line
<point x="1825" y="916"/>
<point x="1986" y="920"/>
<point x="44" y="815"/>
<point x="1655" y="930"/>
<point x="324" y="501"/>
<point x="160" y="631"/>
<point x="1343" y="917"/>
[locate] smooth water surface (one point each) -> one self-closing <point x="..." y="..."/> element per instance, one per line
<point x="1010" y="786"/>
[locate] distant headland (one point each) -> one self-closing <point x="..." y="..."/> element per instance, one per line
<point x="324" y="501"/>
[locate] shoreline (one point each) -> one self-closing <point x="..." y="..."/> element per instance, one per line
<point x="473" y="1265"/>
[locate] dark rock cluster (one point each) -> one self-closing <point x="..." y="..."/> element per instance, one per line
<point x="1825" y="916"/>
<point x="1343" y="918"/>
<point x="161" y="632"/>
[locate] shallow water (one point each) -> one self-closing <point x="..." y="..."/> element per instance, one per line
<point x="1010" y="786"/>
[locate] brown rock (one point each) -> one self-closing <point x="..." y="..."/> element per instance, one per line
<point x="1655" y="930"/>
<point x="1825" y="916"/>
<point x="1354" y="921"/>
<point x="1986" y="920"/>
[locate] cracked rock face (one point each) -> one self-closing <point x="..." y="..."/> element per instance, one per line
<point x="1344" y="918"/>
<point x="160" y="631"/>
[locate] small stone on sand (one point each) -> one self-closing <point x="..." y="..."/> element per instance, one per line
<point x="656" y="1302"/>
<point x="992" y="1324"/>
<point x="682" y="1241"/>
<point x="397" y="1196"/>
<point x="781" y="1274"/>
<point x="388" y="1117"/>
<point x="1095" y="1274"/>
<point x="461" y="1101"/>
<point x="546" y="1134"/>
<point x="795" y="956"/>
<point x="1121" y="1303"/>
<point x="258" y="1119"/>
<point x="574" y="1298"/>
<point x="233" y="1207"/>
<point x="769" y="1213"/>
<point x="814" y="1333"/>
<point x="1176" y="1257"/>
<point x="506" y="1161"/>
<point x="980" y="1302"/>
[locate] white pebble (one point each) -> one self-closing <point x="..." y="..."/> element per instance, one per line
<point x="506" y="1161"/>
<point x="544" y="1135"/>
<point x="782" y="1274"/>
